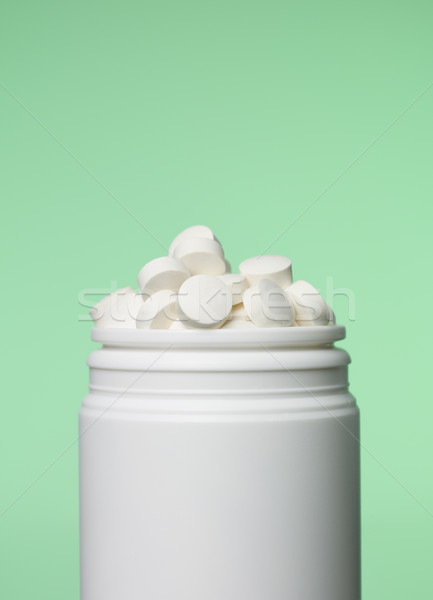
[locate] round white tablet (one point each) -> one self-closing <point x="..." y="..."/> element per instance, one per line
<point x="158" y="311"/>
<point x="118" y="309"/>
<point x="310" y="307"/>
<point x="204" y="301"/>
<point x="196" y="231"/>
<point x="269" y="266"/>
<point x="201" y="256"/>
<point x="237" y="284"/>
<point x="268" y="306"/>
<point x="165" y="273"/>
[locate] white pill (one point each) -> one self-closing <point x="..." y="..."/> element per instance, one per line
<point x="165" y="273"/>
<point x="204" y="301"/>
<point x="310" y="307"/>
<point x="269" y="266"/>
<point x="268" y="306"/>
<point x="158" y="311"/>
<point x="196" y="231"/>
<point x="237" y="284"/>
<point x="201" y="256"/>
<point x="118" y="309"/>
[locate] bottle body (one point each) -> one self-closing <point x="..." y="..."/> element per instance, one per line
<point x="219" y="472"/>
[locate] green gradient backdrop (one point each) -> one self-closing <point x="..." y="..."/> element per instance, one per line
<point x="236" y="114"/>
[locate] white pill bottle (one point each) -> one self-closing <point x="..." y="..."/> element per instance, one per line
<point x="219" y="465"/>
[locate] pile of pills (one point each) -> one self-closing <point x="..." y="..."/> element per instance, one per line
<point x="193" y="288"/>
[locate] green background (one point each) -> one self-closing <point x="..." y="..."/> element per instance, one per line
<point x="238" y="115"/>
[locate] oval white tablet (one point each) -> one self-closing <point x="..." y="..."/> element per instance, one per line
<point x="269" y="266"/>
<point x="237" y="284"/>
<point x="165" y="273"/>
<point x="196" y="231"/>
<point x="204" y="301"/>
<point x="158" y="311"/>
<point x="201" y="256"/>
<point x="118" y="309"/>
<point x="268" y="306"/>
<point x="310" y="307"/>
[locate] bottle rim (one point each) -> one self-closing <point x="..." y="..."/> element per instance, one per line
<point x="272" y="337"/>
